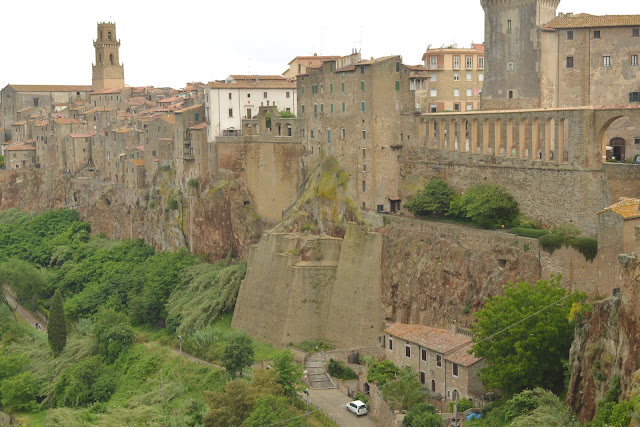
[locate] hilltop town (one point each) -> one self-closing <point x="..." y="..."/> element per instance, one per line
<point x="306" y="175"/>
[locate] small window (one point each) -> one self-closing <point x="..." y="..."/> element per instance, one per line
<point x="569" y="35"/>
<point x="364" y="167"/>
<point x="362" y="85"/>
<point x="481" y="77"/>
<point x="397" y="85"/>
<point x="331" y="88"/>
<point x="361" y="70"/>
<point x="364" y="186"/>
<point x="315" y="110"/>
<point x="322" y="108"/>
<point x="362" y="106"/>
<point x="407" y="351"/>
<point x="364" y="152"/>
<point x="434" y="93"/>
<point x="390" y="343"/>
<point x="230" y="112"/>
<point x="288" y="95"/>
<point x="434" y="77"/>
<point x="469" y="62"/>
<point x="636" y="141"/>
<point x="635" y="32"/>
<point x="456" y="92"/>
<point x="331" y="108"/>
<point x="634" y="97"/>
<point x="510" y="67"/>
<point x="423" y="377"/>
<point x="508" y="24"/>
<point x="433" y="62"/>
<point x="364" y="134"/>
<point x="456" y="106"/>
<point x="606" y="61"/>
<point x="569" y="61"/>
<point x="302" y="89"/>
<point x="469" y="106"/>
<point x="423" y="354"/>
<point x="343" y="86"/>
<point x="510" y="94"/>
<point x="344" y="108"/>
<point x="343" y="133"/>
<point x="302" y="108"/>
<point x="439" y="360"/>
<point x="454" y="370"/>
<point x="331" y="64"/>
<point x="433" y="108"/>
<point x="456" y="62"/>
<point x="481" y="62"/>
<point x="469" y="92"/>
<point x="248" y="95"/>
<point x="397" y="66"/>
<point x="596" y="34"/>
<point x="456" y="77"/>
<point x="229" y="95"/>
<point x="469" y="77"/>
<point x="634" y="60"/>
<point x="329" y="136"/>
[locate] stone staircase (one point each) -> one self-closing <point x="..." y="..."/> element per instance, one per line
<point x="317" y="375"/>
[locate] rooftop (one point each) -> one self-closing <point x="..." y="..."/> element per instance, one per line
<point x="137" y="162"/>
<point x="51" y="88"/>
<point x="66" y="121"/>
<point x="254" y="84"/>
<point x="627" y="208"/>
<point x="21" y="146"/>
<point x="585" y="20"/>
<point x="438" y="340"/>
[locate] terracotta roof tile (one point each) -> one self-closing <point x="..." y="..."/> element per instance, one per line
<point x="462" y="356"/>
<point x="51" y="88"/>
<point x="20" y="123"/>
<point x="584" y="20"/>
<point x="627" y="208"/>
<point x="108" y="91"/>
<point x="256" y="76"/>
<point x="21" y="146"/>
<point x="41" y="123"/>
<point x="82" y="135"/>
<point x="185" y="110"/>
<point x="198" y="126"/>
<point x="253" y="84"/>
<point x="169" y="118"/>
<point x="65" y="121"/>
<point x="438" y="340"/>
<point x="137" y="162"/>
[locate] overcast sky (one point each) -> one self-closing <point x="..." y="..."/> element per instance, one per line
<point x="170" y="43"/>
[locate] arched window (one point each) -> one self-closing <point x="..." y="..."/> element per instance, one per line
<point x="109" y="35"/>
<point x="100" y="34"/>
<point x="100" y="59"/>
<point x="433" y="385"/>
<point x="111" y="58"/>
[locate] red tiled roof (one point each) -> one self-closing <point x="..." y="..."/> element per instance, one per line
<point x="20" y="123"/>
<point x="315" y="59"/>
<point x="462" y="356"/>
<point x="107" y="91"/>
<point x="21" y="146"/>
<point x="42" y="123"/>
<point x="627" y="208"/>
<point x="82" y="135"/>
<point x="168" y="100"/>
<point x="65" y="121"/>
<point x="137" y="162"/>
<point x="198" y="126"/>
<point x="585" y="20"/>
<point x="253" y="84"/>
<point x="438" y="340"/>
<point x="51" y="88"/>
<point x="187" y="109"/>
<point x="255" y="77"/>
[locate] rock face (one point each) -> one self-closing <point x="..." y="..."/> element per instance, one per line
<point x="607" y="345"/>
<point x="214" y="220"/>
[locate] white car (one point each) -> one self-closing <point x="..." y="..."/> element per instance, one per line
<point x="357" y="407"/>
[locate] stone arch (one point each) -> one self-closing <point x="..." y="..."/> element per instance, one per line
<point x="617" y="150"/>
<point x="288" y="129"/>
<point x="111" y="58"/>
<point x="602" y="136"/>
<point x="246" y="129"/>
<point x="255" y="129"/>
<point x="278" y="129"/>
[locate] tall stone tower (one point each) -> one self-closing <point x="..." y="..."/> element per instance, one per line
<point x="513" y="52"/>
<point x="107" y="71"/>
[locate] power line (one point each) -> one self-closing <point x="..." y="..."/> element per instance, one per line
<point x="293" y="418"/>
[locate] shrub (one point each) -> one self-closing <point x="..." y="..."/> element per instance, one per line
<point x="567" y="235"/>
<point x="463" y="405"/>
<point x="238" y="354"/>
<point x="529" y="232"/>
<point x="382" y="372"/>
<point x="422" y="415"/>
<point x="57" y="325"/>
<point x="587" y="246"/>
<point x="112" y="333"/>
<point x="313" y="345"/>
<point x="340" y="370"/>
<point x="84" y="383"/>
<point x="19" y="392"/>
<point x="434" y="199"/>
<point x="193" y="183"/>
<point x="551" y="242"/>
<point x="488" y="205"/>
<point x="172" y="203"/>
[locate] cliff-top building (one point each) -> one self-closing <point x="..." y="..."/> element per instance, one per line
<point x="108" y="73"/>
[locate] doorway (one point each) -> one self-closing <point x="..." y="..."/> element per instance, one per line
<point x="618" y="149"/>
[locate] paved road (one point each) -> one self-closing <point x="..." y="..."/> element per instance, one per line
<point x="333" y="403"/>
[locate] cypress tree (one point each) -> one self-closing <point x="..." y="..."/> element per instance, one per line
<point x="57" y="326"/>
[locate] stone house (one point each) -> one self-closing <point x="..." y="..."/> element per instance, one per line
<point x="440" y="357"/>
<point x="78" y="151"/>
<point x="42" y="131"/>
<point x="362" y="113"/>
<point x="20" y="156"/>
<point x="456" y="76"/>
<point x="135" y="173"/>
<point x="300" y="64"/>
<point x="238" y="97"/>
<point x="188" y="148"/>
<point x="617" y="225"/>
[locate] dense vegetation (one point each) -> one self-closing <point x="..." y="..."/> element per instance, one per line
<point x="113" y="307"/>
<point x="483" y="204"/>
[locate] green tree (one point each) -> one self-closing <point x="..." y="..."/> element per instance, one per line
<point x="25" y="280"/>
<point x="434" y="199"/>
<point x="84" y="383"/>
<point x="422" y="415"/>
<point x="238" y="354"/>
<point x="486" y="205"/>
<point x="524" y="336"/>
<point x="19" y="392"/>
<point x="57" y="325"/>
<point x="270" y="410"/>
<point x="382" y="372"/>
<point x="406" y="391"/>
<point x="112" y="333"/>
<point x="289" y="373"/>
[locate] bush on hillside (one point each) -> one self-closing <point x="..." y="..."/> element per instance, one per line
<point x="112" y="333"/>
<point x="529" y="232"/>
<point x="486" y="205"/>
<point x="340" y="370"/>
<point x="434" y="199"/>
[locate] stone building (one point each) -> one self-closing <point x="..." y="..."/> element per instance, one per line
<point x="301" y="64"/>
<point x="78" y="151"/>
<point x="20" y="156"/>
<point x="440" y="357"/>
<point x="239" y="97"/>
<point x="617" y="226"/>
<point x="362" y="113"/>
<point x="190" y="141"/>
<point x="107" y="71"/>
<point x="456" y="76"/>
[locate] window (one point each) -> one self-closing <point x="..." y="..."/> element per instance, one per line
<point x="510" y="66"/>
<point x="569" y="61"/>
<point x="364" y="152"/>
<point x="433" y="108"/>
<point x="508" y="24"/>
<point x="197" y="117"/>
<point x="229" y="95"/>
<point x="302" y="108"/>
<point x="362" y="85"/>
<point x="329" y="136"/>
<point x="321" y="88"/>
<point x="469" y="62"/>
<point x="312" y="134"/>
<point x="397" y="66"/>
<point x="469" y="93"/>
<point x="456" y="106"/>
<point x="36" y="101"/>
<point x="361" y="70"/>
<point x="434" y="93"/>
<point x="331" y="88"/>
<point x="390" y="343"/>
<point x="364" y="135"/>
<point x="331" y="64"/>
<point x="230" y="112"/>
<point x="433" y="62"/>
<point x="635" y="32"/>
<point x="412" y="84"/>
<point x="288" y="95"/>
<point x="481" y="77"/>
<point x="456" y="77"/>
<point x="343" y="133"/>
<point x="456" y="62"/>
<point x="362" y="106"/>
<point x="302" y="89"/>
<point x="481" y="62"/>
<point x="634" y="97"/>
<point x="510" y="94"/>
<point x="456" y="92"/>
<point x="469" y="106"/>
<point x="634" y="60"/>
<point x="439" y="360"/>
<point x="322" y="108"/>
<point x="315" y="110"/>
<point x="569" y="35"/>
<point x="606" y="61"/>
<point x="434" y="77"/>
<point x="469" y="77"/>
<point x="454" y="369"/>
<point x="397" y="85"/>
<point x="364" y="167"/>
<point x="596" y="34"/>
<point x="423" y="377"/>
<point x="636" y="141"/>
<point x="423" y="354"/>
<point x="344" y="108"/>
<point x="407" y="350"/>
<point x="331" y="108"/>
<point x="343" y="86"/>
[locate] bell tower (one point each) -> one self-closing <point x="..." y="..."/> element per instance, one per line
<point x="512" y="43"/>
<point x="108" y="73"/>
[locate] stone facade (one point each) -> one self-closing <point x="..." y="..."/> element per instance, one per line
<point x="20" y="156"/>
<point x="107" y="71"/>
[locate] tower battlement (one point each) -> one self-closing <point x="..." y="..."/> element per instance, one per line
<point x="108" y="72"/>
